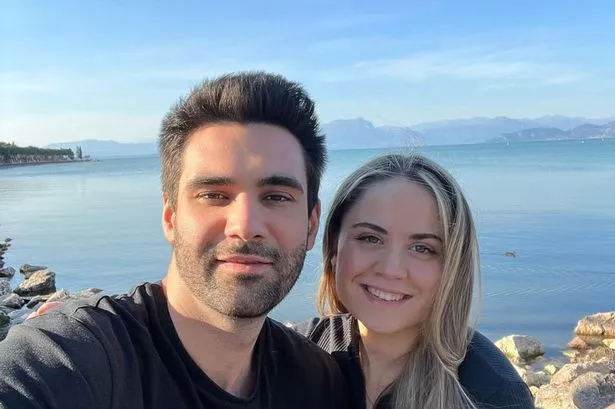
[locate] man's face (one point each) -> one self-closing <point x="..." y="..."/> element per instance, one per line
<point x="240" y="228"/>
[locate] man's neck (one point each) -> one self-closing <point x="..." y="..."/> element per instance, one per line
<point x="221" y="346"/>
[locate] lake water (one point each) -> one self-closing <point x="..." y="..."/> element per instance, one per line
<point x="97" y="224"/>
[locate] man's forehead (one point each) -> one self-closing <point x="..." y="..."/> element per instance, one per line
<point x="240" y="151"/>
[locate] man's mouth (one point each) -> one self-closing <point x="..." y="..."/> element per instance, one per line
<point x="245" y="259"/>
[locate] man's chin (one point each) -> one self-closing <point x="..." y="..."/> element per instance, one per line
<point x="243" y="312"/>
<point x="251" y="302"/>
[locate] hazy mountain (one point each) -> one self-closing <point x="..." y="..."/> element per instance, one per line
<point x="593" y="131"/>
<point x="532" y="134"/>
<point x="562" y="122"/>
<point x="342" y="134"/>
<point x="473" y="130"/>
<point x="99" y="149"/>
<point x="359" y="133"/>
<point x="585" y="131"/>
<point x="476" y="130"/>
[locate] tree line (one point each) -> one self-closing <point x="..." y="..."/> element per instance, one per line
<point x="9" y="153"/>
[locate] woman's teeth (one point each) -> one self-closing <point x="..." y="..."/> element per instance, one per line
<point x="383" y="295"/>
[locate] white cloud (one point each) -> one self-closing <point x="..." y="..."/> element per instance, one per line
<point x="564" y="79"/>
<point x="499" y="86"/>
<point x="202" y="70"/>
<point x="468" y="64"/>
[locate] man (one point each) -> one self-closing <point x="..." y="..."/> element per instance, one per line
<point x="241" y="164"/>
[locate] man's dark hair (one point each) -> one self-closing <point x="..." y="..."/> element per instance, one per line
<point x="249" y="97"/>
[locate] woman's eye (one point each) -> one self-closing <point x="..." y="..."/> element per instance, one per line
<point x="370" y="239"/>
<point x="422" y="249"/>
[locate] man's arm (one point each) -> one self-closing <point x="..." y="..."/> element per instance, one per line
<point x="54" y="361"/>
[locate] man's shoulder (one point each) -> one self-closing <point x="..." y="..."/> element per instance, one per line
<point x="83" y="349"/>
<point x="132" y="303"/>
<point x="100" y="315"/>
<point x="284" y="337"/>
<point x="288" y="342"/>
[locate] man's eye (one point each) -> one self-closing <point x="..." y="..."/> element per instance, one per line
<point x="277" y="198"/>
<point x="211" y="196"/>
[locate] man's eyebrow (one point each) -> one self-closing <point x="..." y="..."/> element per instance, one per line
<point x="281" y="180"/>
<point x="273" y="180"/>
<point x="210" y="181"/>
<point x="382" y="230"/>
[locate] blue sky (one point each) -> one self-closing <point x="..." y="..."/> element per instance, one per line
<point x="110" y="69"/>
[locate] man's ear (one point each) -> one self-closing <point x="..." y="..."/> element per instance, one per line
<point x="313" y="224"/>
<point x="168" y="220"/>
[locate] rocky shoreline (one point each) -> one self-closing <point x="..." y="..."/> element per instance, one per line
<point x="38" y="286"/>
<point x="583" y="377"/>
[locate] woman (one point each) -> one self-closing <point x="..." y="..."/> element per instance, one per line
<point x="401" y="261"/>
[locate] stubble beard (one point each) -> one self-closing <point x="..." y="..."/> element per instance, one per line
<point x="238" y="296"/>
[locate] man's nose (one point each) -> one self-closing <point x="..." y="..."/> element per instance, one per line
<point x="246" y="219"/>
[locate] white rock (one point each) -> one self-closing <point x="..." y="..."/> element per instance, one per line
<point x="519" y="348"/>
<point x="570" y="354"/>
<point x="600" y="324"/>
<point x="570" y="372"/>
<point x="551" y="369"/>
<point x="610" y="342"/>
<point x="554" y="397"/>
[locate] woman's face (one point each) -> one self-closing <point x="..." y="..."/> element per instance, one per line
<point x="389" y="256"/>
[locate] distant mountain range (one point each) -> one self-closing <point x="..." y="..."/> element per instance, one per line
<point x="359" y="133"/>
<point x="586" y="131"/>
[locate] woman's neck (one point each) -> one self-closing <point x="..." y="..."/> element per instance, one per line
<point x="382" y="358"/>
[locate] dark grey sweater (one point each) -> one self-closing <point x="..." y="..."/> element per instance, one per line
<point x="486" y="374"/>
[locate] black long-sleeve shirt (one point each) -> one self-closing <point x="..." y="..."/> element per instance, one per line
<point x="486" y="374"/>
<point x="124" y="352"/>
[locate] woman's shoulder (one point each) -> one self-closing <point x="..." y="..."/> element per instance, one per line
<point x="490" y="377"/>
<point x="332" y="333"/>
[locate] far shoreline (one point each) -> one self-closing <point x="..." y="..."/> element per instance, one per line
<point x="22" y="164"/>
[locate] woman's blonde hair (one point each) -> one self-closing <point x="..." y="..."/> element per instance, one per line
<point x="429" y="378"/>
